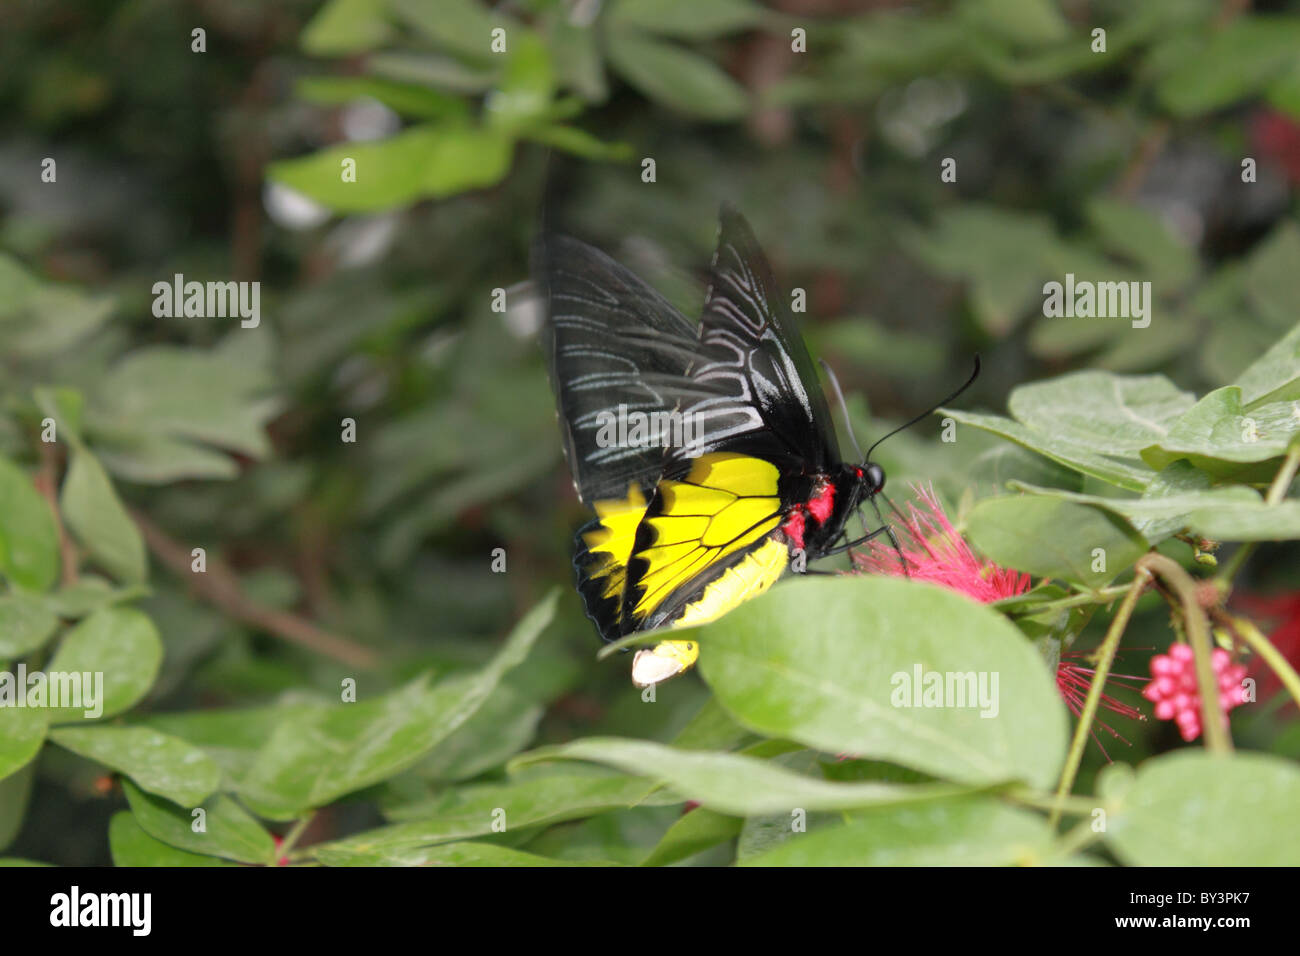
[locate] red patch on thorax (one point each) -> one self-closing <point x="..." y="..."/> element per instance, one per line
<point x="793" y="527"/>
<point x="819" y="506"/>
<point x="823" y="504"/>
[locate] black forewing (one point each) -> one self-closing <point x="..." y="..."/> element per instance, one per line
<point x="610" y="340"/>
<point x="770" y="402"/>
<point x="742" y="378"/>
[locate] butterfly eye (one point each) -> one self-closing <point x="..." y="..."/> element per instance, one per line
<point x="875" y="479"/>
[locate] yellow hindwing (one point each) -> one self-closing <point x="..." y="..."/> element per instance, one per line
<point x="726" y="503"/>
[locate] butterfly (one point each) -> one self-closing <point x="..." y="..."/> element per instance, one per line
<point x="706" y="450"/>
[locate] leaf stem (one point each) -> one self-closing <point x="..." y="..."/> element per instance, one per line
<point x="1276" y="492"/>
<point x="1262" y="646"/>
<point x="1076" y="839"/>
<point x="1105" y="657"/>
<point x="1100" y="596"/>
<point x="1213" y="721"/>
<point x="1071" y="806"/>
<point x="291" y="838"/>
<point x="47" y="483"/>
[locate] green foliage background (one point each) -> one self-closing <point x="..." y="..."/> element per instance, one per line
<point x="371" y="561"/>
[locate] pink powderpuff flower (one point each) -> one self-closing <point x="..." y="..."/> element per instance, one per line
<point x="934" y="551"/>
<point x="1174" y="691"/>
<point x="1072" y="683"/>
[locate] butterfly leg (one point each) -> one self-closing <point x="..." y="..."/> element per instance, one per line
<point x="856" y="542"/>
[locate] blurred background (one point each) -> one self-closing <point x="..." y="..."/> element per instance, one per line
<point x="206" y="138"/>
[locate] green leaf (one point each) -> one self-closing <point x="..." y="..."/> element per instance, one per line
<point x="1219" y="434"/>
<point x="155" y="410"/>
<point x="167" y="766"/>
<point x="1111" y="470"/>
<point x="1231" y="63"/>
<point x="408" y="99"/>
<point x="15" y="793"/>
<point x="733" y="783"/>
<point x="52" y="320"/>
<point x="1029" y="23"/>
<point x="25" y="624"/>
<point x="523" y="97"/>
<point x="479" y="810"/>
<point x="676" y="77"/>
<point x="229" y="831"/>
<point x="1157" y="516"/>
<point x="697" y="20"/>
<point x="577" y="55"/>
<point x="960" y="833"/>
<point x="1187" y="485"/>
<point x="695" y="832"/>
<point x="1248" y="522"/>
<point x="231" y="737"/>
<point x="445" y="854"/>
<point x="29" y="542"/>
<point x="312" y="759"/>
<point x="66" y="406"/>
<point x="98" y="518"/>
<point x="345" y="27"/>
<point x="22" y="732"/>
<point x="86" y="595"/>
<point x="1052" y="538"/>
<point x="498" y="730"/>
<point x="1275" y="375"/>
<point x="816" y="677"/>
<point x="1140" y="236"/>
<point x="1273" y="275"/>
<point x="463" y="27"/>
<point x="712" y="728"/>
<point x="578" y="142"/>
<point x="130" y="845"/>
<point x="423" y="162"/>
<point x="1193" y="808"/>
<point x="1006" y="257"/>
<point x="1102" y="412"/>
<point x="123" y="645"/>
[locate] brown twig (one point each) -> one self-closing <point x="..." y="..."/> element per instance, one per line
<point x="219" y="585"/>
<point x="1148" y="151"/>
<point x="46" y="481"/>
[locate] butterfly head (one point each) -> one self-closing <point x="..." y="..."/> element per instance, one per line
<point x="872" y="478"/>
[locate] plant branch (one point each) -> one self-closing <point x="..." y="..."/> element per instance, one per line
<point x="47" y="483"/>
<point x="1213" y="721"/>
<point x="1100" y="596"/>
<point x="1276" y="492"/>
<point x="220" y="586"/>
<point x="1262" y="646"/>
<point x="1105" y="657"/>
<point x="1081" y="836"/>
<point x="291" y="838"/>
<point x="1070" y="806"/>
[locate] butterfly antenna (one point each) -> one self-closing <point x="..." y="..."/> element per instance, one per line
<point x="973" y="375"/>
<point x="844" y="408"/>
